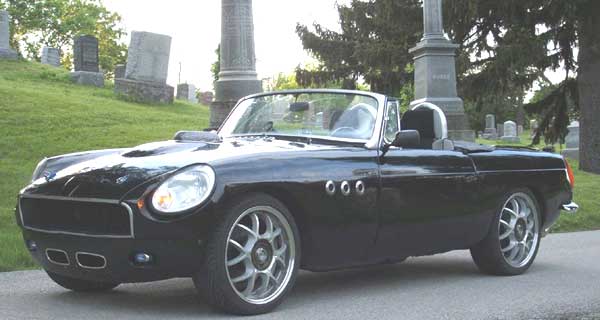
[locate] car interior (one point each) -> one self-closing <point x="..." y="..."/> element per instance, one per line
<point x="430" y="122"/>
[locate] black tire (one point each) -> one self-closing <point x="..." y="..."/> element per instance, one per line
<point x="487" y="254"/>
<point x="81" y="285"/>
<point x="213" y="283"/>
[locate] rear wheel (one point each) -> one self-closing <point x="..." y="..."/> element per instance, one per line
<point x="514" y="238"/>
<point x="81" y="285"/>
<point x="252" y="258"/>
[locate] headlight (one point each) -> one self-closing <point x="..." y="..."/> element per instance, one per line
<point x="39" y="170"/>
<point x="185" y="190"/>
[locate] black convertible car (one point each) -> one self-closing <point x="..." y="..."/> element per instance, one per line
<point x="311" y="179"/>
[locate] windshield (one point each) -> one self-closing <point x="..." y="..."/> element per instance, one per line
<point x="327" y="115"/>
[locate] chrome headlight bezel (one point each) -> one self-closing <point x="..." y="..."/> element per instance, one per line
<point x="176" y="194"/>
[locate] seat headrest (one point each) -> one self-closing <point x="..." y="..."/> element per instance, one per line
<point x="420" y="120"/>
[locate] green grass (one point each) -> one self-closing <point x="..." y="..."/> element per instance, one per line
<point x="43" y="114"/>
<point x="586" y="193"/>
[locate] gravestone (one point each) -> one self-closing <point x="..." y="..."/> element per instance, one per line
<point x="86" y="61"/>
<point x="237" y="76"/>
<point x="533" y="125"/>
<point x="500" y="129"/>
<point x="572" y="142"/>
<point x="120" y="71"/>
<point x="146" y="70"/>
<point x="51" y="56"/>
<point x="187" y="92"/>
<point x="490" y="132"/>
<point x="435" y="72"/>
<point x="510" y="132"/>
<point x="6" y="52"/>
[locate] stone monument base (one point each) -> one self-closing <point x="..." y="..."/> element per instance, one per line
<point x="226" y="90"/>
<point x="219" y="110"/>
<point x="461" y="135"/>
<point x="490" y="134"/>
<point x="511" y="139"/>
<point x="9" y="54"/>
<point x="144" y="92"/>
<point x="88" y="78"/>
<point x="571" y="153"/>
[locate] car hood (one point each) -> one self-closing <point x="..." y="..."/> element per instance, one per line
<point x="111" y="176"/>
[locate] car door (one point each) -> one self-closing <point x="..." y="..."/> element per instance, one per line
<point x="427" y="203"/>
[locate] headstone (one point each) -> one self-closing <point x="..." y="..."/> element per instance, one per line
<point x="533" y="126"/>
<point x="237" y="77"/>
<point x="86" y="61"/>
<point x="207" y="97"/>
<point x="51" y="56"/>
<point x="6" y="52"/>
<point x="500" y="129"/>
<point x="120" y="71"/>
<point x="510" y="132"/>
<point x="187" y="92"/>
<point x="435" y="72"/>
<point x="490" y="132"/>
<point x="572" y="141"/>
<point x="146" y="71"/>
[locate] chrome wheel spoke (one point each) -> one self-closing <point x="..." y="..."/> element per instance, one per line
<point x="237" y="245"/>
<point x="247" y="275"/>
<point x="511" y="245"/>
<point x="237" y="259"/>
<point x="512" y="212"/>
<point x="255" y="223"/>
<point x="248" y="230"/>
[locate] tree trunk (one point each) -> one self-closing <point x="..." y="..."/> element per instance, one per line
<point x="588" y="81"/>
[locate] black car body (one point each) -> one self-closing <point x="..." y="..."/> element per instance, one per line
<point x="89" y="215"/>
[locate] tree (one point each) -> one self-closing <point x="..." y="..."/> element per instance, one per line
<point x="55" y="23"/>
<point x="506" y="46"/>
<point x="372" y="45"/>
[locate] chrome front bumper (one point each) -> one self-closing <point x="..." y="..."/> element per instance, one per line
<point x="571" y="207"/>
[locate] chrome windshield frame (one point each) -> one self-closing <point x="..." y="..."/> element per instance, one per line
<point x="372" y="143"/>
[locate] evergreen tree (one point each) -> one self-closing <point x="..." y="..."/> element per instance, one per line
<point x="509" y="44"/>
<point x="372" y="45"/>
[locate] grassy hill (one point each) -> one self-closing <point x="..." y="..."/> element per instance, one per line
<point x="43" y="114"/>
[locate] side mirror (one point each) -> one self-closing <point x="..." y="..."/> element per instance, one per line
<point x="407" y="139"/>
<point x="404" y="139"/>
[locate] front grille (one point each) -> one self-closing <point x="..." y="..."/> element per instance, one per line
<point x="76" y="216"/>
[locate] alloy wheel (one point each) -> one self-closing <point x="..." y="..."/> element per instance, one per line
<point x="260" y="254"/>
<point x="518" y="230"/>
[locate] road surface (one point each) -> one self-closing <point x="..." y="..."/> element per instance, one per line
<point x="563" y="283"/>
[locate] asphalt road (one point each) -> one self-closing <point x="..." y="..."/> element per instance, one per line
<point x="563" y="283"/>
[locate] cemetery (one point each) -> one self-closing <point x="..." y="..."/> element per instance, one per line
<point x="66" y="98"/>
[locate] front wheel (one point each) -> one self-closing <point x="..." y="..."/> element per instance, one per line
<point x="514" y="238"/>
<point x="252" y="258"/>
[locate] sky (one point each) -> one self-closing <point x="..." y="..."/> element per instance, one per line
<point x="195" y="25"/>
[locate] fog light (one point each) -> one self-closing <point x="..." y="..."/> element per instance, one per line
<point x="142" y="258"/>
<point x="31" y="245"/>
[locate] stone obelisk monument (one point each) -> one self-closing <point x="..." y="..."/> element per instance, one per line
<point x="435" y="72"/>
<point x="237" y="77"/>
